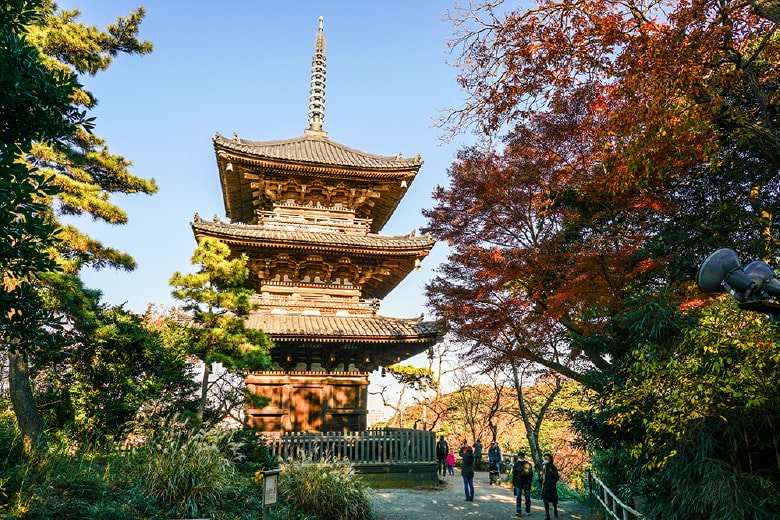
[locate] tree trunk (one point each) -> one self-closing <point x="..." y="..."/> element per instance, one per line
<point x="204" y="389"/>
<point x="530" y="428"/>
<point x="23" y="402"/>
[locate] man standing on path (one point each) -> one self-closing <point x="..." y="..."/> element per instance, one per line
<point x="442" y="449"/>
<point x="522" y="477"/>
<point x="478" y="455"/>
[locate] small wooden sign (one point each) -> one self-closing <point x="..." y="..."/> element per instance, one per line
<point x="270" y="479"/>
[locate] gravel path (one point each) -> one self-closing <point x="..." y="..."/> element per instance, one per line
<point x="490" y="502"/>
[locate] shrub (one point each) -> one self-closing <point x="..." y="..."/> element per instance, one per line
<point x="184" y="470"/>
<point x="64" y="486"/>
<point x="251" y="452"/>
<point x="171" y="475"/>
<point x="325" y="490"/>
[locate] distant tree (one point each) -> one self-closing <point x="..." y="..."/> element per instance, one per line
<point x="431" y="404"/>
<point x="217" y="301"/>
<point x="476" y="407"/>
<point x="533" y="404"/>
<point x="415" y="379"/>
<point x="442" y="363"/>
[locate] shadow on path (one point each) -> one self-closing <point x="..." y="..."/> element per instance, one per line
<point x="490" y="502"/>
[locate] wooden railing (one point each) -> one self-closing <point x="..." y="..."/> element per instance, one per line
<point x="611" y="503"/>
<point x="379" y="446"/>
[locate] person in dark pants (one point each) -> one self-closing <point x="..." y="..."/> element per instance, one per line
<point x="467" y="472"/>
<point x="478" y="455"/>
<point x="442" y="449"/>
<point x="522" y="478"/>
<point x="548" y="479"/>
<point x="494" y="453"/>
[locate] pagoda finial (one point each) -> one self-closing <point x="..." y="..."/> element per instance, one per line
<point x="317" y="92"/>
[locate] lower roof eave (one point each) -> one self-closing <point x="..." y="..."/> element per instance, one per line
<point x="309" y="338"/>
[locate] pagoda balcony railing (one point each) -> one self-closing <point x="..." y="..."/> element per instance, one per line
<point x="315" y="285"/>
<point x="360" y="306"/>
<point x="375" y="446"/>
<point x="313" y="222"/>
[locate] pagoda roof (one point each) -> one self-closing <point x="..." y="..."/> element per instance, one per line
<point x="372" y="341"/>
<point x="317" y="150"/>
<point x="329" y="328"/>
<point x="260" y="235"/>
<point x="311" y="156"/>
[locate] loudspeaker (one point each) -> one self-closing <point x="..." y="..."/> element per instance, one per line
<point x="759" y="271"/>
<point x="764" y="277"/>
<point x="714" y="270"/>
<point x="772" y="288"/>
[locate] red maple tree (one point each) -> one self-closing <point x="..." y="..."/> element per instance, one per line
<point x="638" y="137"/>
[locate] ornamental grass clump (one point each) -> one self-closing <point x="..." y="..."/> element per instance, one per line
<point x="325" y="490"/>
<point x="185" y="471"/>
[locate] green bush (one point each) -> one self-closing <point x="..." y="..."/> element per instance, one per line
<point x="325" y="491"/>
<point x="183" y="470"/>
<point x="251" y="452"/>
<point x="64" y="486"/>
<point x="175" y="474"/>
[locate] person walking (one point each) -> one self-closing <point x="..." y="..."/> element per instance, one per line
<point x="494" y="453"/>
<point x="494" y="463"/>
<point x="442" y="449"/>
<point x="548" y="479"/>
<point x="451" y="463"/>
<point x="494" y="457"/>
<point x="467" y="472"/>
<point x="478" y="455"/>
<point x="522" y="478"/>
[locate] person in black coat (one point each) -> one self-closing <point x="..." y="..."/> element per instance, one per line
<point x="522" y="478"/>
<point x="442" y="449"/>
<point x="467" y="472"/>
<point x="478" y="455"/>
<point x="548" y="480"/>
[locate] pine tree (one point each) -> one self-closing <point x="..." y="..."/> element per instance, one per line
<point x="84" y="170"/>
<point x="34" y="106"/>
<point x="218" y="300"/>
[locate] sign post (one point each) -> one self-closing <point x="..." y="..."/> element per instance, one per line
<point x="269" y="483"/>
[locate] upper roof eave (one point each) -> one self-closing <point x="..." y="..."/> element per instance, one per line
<point x="315" y="150"/>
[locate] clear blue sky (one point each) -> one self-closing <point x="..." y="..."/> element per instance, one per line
<point x="244" y="67"/>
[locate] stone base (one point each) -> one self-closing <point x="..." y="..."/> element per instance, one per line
<point x="409" y="475"/>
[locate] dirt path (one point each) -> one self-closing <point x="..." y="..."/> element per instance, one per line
<point x="490" y="502"/>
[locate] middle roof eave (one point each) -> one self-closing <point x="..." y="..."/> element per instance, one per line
<point x="258" y="233"/>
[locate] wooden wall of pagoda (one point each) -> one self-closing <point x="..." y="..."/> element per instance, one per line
<point x="309" y="401"/>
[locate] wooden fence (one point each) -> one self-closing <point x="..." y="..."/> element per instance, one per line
<point x="611" y="503"/>
<point x="379" y="446"/>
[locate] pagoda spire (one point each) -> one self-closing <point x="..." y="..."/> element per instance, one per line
<point x="317" y="91"/>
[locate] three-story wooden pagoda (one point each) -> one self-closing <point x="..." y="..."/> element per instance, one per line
<point x="307" y="212"/>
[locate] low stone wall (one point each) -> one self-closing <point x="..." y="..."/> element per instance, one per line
<point x="399" y="475"/>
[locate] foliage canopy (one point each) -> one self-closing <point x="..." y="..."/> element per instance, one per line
<point x="638" y="137"/>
